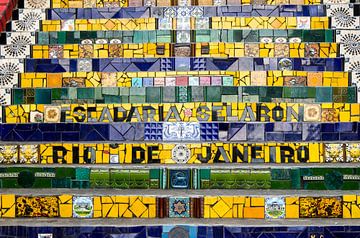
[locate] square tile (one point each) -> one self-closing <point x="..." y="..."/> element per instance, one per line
<point x="179" y="178"/>
<point x="274" y="207"/>
<point x="194" y="81"/>
<point x="352" y="152"/>
<point x="8" y="154"/>
<point x="183" y="23"/>
<point x="181" y="131"/>
<point x="334" y="153"/>
<point x="303" y="22"/>
<point x="202" y="23"/>
<point x="52" y="114"/>
<point x="165" y="23"/>
<point x="180" y="154"/>
<point x="84" y="65"/>
<point x="183" y="36"/>
<point x="29" y="154"/>
<point x="36" y="4"/>
<point x="312" y="112"/>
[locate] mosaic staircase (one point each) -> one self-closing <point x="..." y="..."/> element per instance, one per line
<point x="192" y="111"/>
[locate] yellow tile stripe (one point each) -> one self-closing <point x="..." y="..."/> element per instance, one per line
<point x="243" y="207"/>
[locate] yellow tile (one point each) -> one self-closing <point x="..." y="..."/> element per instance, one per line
<point x="240" y="210"/>
<point x="65" y="198"/>
<point x="114" y="211"/>
<point x="97" y="203"/>
<point x="221" y="208"/>
<point x="292" y="211"/>
<point x="349" y="198"/>
<point x="291" y="200"/>
<point x="106" y="209"/>
<point x="254" y="212"/>
<point x="7" y="200"/>
<point x="65" y="210"/>
<point x="206" y="211"/>
<point x="355" y="211"/>
<point x="239" y="200"/>
<point x="122" y="209"/>
<point x="137" y="208"/>
<point x="152" y="211"/>
<point x="210" y="200"/>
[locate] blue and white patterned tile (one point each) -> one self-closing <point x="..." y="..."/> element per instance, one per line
<point x="179" y="207"/>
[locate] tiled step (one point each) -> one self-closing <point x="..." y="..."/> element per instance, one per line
<point x="217" y="156"/>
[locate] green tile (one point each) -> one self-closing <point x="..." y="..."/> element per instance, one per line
<point x="352" y="95"/>
<point x="124" y="99"/>
<point x="61" y="37"/>
<point x="43" y="96"/>
<point x="42" y="38"/>
<point x="72" y="93"/>
<point x="113" y="99"/>
<point x="329" y="36"/>
<point x="229" y="98"/>
<point x="309" y="36"/>
<point x="252" y="90"/>
<point x="311" y="92"/>
<point x="53" y="36"/>
<point x="111" y="91"/>
<point x="137" y="99"/>
<point x="124" y="91"/>
<point x="213" y="94"/>
<point x="229" y="90"/>
<point x="18" y="96"/>
<point x="197" y="94"/>
<point x="137" y="91"/>
<point x="86" y="93"/>
<point x="215" y="35"/>
<point x="99" y="94"/>
<point x="323" y="94"/>
<point x="237" y="35"/>
<point x="169" y="94"/>
<point x="182" y="94"/>
<point x="266" y="32"/>
<point x="295" y="33"/>
<point x="138" y="37"/>
<point x="251" y="36"/>
<point x="298" y="92"/>
<point x="280" y="33"/>
<point x="228" y="81"/>
<point x="274" y="92"/>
